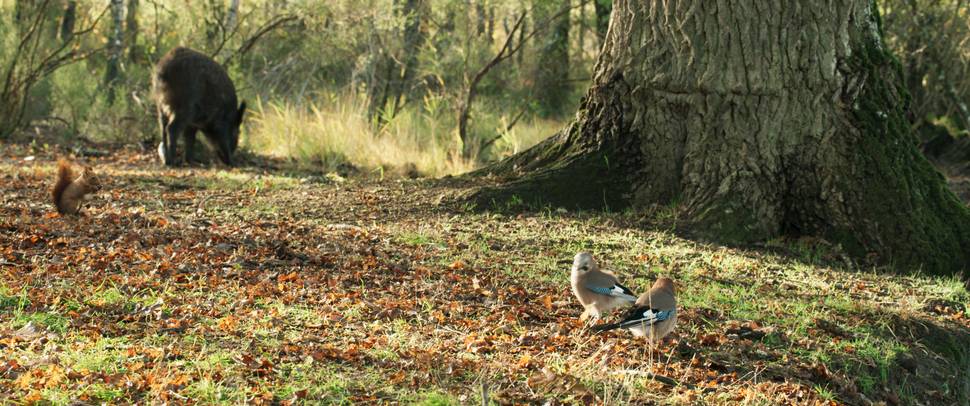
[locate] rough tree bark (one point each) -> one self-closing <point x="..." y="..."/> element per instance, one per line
<point x="756" y="120"/>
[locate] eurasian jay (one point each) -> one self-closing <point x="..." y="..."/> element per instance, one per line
<point x="597" y="290"/>
<point x="654" y="315"/>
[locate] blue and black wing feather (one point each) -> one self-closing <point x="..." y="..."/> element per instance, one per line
<point x="625" y="290"/>
<point x="637" y="316"/>
<point x="616" y="290"/>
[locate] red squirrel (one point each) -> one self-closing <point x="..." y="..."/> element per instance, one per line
<point x="69" y="191"/>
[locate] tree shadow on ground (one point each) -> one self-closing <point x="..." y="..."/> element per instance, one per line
<point x="325" y="226"/>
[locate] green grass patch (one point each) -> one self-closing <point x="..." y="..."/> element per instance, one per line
<point x="11" y="300"/>
<point x="52" y="321"/>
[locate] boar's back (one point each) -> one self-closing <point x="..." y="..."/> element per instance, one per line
<point x="190" y="82"/>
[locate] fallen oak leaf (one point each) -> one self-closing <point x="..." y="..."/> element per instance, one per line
<point x="541" y="379"/>
<point x="229" y="323"/>
<point x="292" y="276"/>
<point x="32" y="397"/>
<point x="9" y="366"/>
<point x="746" y="332"/>
<point x="710" y="339"/>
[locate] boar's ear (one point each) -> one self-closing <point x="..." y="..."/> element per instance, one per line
<point x="239" y="114"/>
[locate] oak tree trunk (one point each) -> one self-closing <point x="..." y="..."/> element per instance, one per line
<point x="756" y="119"/>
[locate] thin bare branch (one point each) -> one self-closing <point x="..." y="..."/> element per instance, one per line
<point x="265" y="29"/>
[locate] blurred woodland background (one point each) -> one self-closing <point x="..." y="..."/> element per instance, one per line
<point x="438" y="86"/>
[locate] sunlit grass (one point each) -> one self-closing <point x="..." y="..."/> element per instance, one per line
<point x="336" y="131"/>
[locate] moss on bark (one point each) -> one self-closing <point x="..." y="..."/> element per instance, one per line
<point x="905" y="213"/>
<point x="559" y="172"/>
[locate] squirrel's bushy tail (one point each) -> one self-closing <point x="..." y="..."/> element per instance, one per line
<point x="65" y="175"/>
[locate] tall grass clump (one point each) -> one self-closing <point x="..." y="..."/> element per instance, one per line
<point x="332" y="131"/>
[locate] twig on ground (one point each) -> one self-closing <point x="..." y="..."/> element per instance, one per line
<point x="666" y="380"/>
<point x="201" y="205"/>
<point x="484" y="394"/>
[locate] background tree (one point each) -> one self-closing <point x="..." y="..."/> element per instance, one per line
<point x="551" y="81"/>
<point x="68" y="20"/>
<point x="407" y="65"/>
<point x="602" y="9"/>
<point x="413" y="12"/>
<point x="33" y="56"/>
<point x="932" y="40"/>
<point x="131" y="31"/>
<point x="115" y="49"/>
<point x="785" y="122"/>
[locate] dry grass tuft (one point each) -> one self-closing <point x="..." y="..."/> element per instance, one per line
<point x="337" y="131"/>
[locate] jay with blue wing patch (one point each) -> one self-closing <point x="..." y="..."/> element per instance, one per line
<point x="654" y="315"/>
<point x="597" y="290"/>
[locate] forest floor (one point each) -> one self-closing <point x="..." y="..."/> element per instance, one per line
<point x="263" y="284"/>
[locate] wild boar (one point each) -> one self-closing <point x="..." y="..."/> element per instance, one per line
<point x="194" y="93"/>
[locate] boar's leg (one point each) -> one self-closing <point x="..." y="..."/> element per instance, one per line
<point x="190" y="153"/>
<point x="175" y="128"/>
<point x="163" y="146"/>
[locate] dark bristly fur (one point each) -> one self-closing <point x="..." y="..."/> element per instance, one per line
<point x="194" y="93"/>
